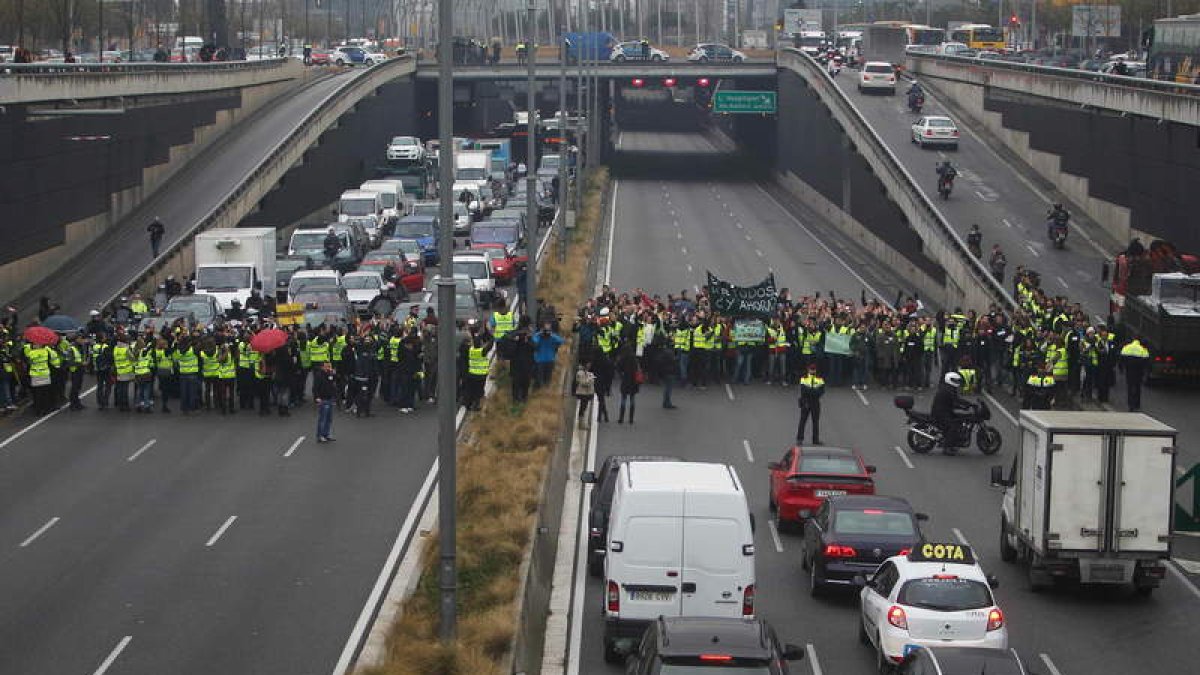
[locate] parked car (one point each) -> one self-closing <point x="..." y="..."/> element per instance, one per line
<point x="349" y="56"/>
<point x="633" y="51"/>
<point x="706" y="52"/>
<point x="362" y="287"/>
<point x="935" y="130"/>
<point x="807" y="476"/>
<point x="406" y="148"/>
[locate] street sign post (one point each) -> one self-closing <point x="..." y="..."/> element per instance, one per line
<point x="733" y="101"/>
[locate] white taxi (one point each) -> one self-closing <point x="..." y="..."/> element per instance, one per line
<point x="935" y="595"/>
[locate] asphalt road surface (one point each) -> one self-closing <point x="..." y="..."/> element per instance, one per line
<point x="1064" y="632"/>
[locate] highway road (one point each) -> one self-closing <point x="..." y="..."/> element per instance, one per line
<point x="1065" y="632"/>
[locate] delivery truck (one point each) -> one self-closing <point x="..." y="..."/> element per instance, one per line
<point x="1089" y="499"/>
<point x="232" y="262"/>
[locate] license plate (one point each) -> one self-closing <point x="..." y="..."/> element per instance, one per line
<point x="1107" y="572"/>
<point x="829" y="493"/>
<point x="651" y="596"/>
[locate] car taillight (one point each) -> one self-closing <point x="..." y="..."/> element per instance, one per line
<point x="995" y="619"/>
<point x="897" y="618"/>
<point x="929" y="132"/>
<point x="614" y="597"/>
<point x="954" y="132"/>
<point x="748" y="601"/>
<point x="904" y="551"/>
<point x="596" y="531"/>
<point x="839" y="551"/>
<point x="716" y="657"/>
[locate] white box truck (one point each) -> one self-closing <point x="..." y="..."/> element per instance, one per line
<point x="473" y="166"/>
<point x="1089" y="498"/>
<point x="680" y="543"/>
<point x="231" y="262"/>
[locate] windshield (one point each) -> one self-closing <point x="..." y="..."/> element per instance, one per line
<point x="812" y="41"/>
<point x="359" y="206"/>
<point x="878" y="69"/>
<point x="945" y="595"/>
<point x="299" y="284"/>
<point x="1178" y="291"/>
<point x="471" y="174"/>
<point x="988" y="35"/>
<point x="404" y="140"/>
<point x="183" y="303"/>
<point x="414" y="230"/>
<point x="873" y="522"/>
<point x="315" y="241"/>
<point x="935" y="122"/>
<point x="426" y="209"/>
<point x="476" y="269"/>
<point x="224" y="277"/>
<point x="320" y="298"/>
<point x="387" y="199"/>
<point x="494" y="235"/>
<point x="551" y="162"/>
<point x="358" y="283"/>
<point x="462" y="301"/>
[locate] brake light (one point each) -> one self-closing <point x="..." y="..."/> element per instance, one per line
<point x="669" y="82"/>
<point x="638" y="82"/>
<point x="897" y="618"/>
<point x="703" y="82"/>
<point x="945" y="577"/>
<point x="614" y="597"/>
<point x="716" y="657"/>
<point x="904" y="551"/>
<point x="748" y="601"/>
<point x="873" y="512"/>
<point x="995" y="619"/>
<point x="929" y="132"/>
<point x="839" y="551"/>
<point x="954" y="132"/>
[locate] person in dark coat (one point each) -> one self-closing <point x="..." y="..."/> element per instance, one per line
<point x="407" y="370"/>
<point x="627" y="367"/>
<point x="283" y="375"/>
<point x="156" y="230"/>
<point x="366" y="374"/>
<point x="521" y="362"/>
<point x="603" y="369"/>
<point x="666" y="369"/>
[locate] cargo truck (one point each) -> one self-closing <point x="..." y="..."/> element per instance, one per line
<point x="1089" y="499"/>
<point x="1156" y="298"/>
<point x="232" y="262"/>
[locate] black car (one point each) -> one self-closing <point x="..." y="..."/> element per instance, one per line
<point x="604" y="482"/>
<point x="853" y="534"/>
<point x="962" y="661"/>
<point x="685" y="644"/>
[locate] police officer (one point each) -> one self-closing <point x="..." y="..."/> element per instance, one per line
<point x="812" y="387"/>
<point x="1135" y="359"/>
<point x="477" y="349"/>
<point x="1039" y="388"/>
<point x="40" y="360"/>
<point x="74" y="364"/>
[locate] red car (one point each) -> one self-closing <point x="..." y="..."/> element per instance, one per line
<point x="805" y="477"/>
<point x="504" y="261"/>
<point x="411" y="273"/>
<point x="319" y="57"/>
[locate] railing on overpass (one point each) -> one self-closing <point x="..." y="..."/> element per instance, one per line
<point x="427" y="69"/>
<point x="1147" y="84"/>
<point x="883" y="161"/>
<point x="274" y="165"/>
<point x="138" y="68"/>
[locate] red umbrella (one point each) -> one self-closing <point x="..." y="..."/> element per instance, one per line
<point x="268" y="340"/>
<point x="40" y="335"/>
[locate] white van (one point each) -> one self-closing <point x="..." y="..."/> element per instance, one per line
<point x="362" y="204"/>
<point x="680" y="543"/>
<point x="391" y="194"/>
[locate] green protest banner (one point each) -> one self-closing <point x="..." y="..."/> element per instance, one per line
<point x="837" y="343"/>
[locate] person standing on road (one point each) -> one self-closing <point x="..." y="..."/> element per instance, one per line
<point x="546" y="344"/>
<point x="325" y="395"/>
<point x="584" y="389"/>
<point x="997" y="262"/>
<point x="631" y="376"/>
<point x="812" y="387"/>
<point x="156" y="230"/>
<point x="1134" y="360"/>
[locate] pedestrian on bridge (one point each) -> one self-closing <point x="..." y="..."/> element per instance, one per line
<point x="156" y="230"/>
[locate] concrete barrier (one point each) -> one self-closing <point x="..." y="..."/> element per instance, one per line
<point x="967" y="282"/>
<point x="179" y="260"/>
<point x="37" y="83"/>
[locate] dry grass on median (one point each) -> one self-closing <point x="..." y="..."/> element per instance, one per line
<point x="502" y="459"/>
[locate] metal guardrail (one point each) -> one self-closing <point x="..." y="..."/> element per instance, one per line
<point x="835" y="98"/>
<point x="1160" y="86"/>
<point x="264" y="166"/>
<point x="137" y="68"/>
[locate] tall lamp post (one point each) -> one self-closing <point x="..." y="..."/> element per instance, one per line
<point x="447" y="401"/>
<point x="531" y="216"/>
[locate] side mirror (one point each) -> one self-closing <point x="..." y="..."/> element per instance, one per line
<point x="860" y="580"/>
<point x="993" y="581"/>
<point x="588" y="477"/>
<point x="922" y="517"/>
<point x="793" y="653"/>
<point x="773" y="466"/>
<point x="871" y="468"/>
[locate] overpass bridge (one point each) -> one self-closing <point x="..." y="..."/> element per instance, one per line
<point x="607" y="70"/>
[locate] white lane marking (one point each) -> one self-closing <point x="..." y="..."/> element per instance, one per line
<point x="1005" y="221"/>
<point x="1063" y="282"/>
<point x="575" y="639"/>
<point x="149" y="444"/>
<point x="36" y="423"/>
<point x="112" y="656"/>
<point x="684" y="249"/>
<point x="728" y="389"/>
<point x="941" y="154"/>
<point x="828" y="250"/>
<point x="747" y="237"/>
<point x="1050" y="665"/>
<point x="985" y="198"/>
<point x="775" y="535"/>
<point x="1099" y="319"/>
<point x="220" y="531"/>
<point x="612" y="231"/>
<point x="749" y="452"/>
<point x="739" y="225"/>
<point x="1186" y="581"/>
<point x="959" y="536"/>
<point x="904" y="457"/>
<point x="1033" y="251"/>
<point x="759" y="252"/>
<point x="689" y="268"/>
<point x="812" y="659"/>
<point x="862" y="398"/>
<point x="1003" y="411"/>
<point x="40" y="531"/>
<point x="295" y="444"/>
<point x="679" y="235"/>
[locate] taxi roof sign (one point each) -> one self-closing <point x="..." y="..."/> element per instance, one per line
<point x="947" y="552"/>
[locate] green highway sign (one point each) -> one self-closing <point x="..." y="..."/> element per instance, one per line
<point x="726" y="101"/>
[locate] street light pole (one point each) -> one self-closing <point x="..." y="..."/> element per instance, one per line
<point x="447" y="401"/>
<point x="531" y="214"/>
<point x="563" y="147"/>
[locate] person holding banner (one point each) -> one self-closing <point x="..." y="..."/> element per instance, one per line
<point x="812" y="387"/>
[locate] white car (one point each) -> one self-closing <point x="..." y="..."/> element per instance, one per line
<point x="362" y="288"/>
<point x="374" y="57"/>
<point x="935" y="595"/>
<point x="935" y="130"/>
<point x="877" y="75"/>
<point x="711" y="51"/>
<point x="478" y="266"/>
<point x="406" y="148"/>
<point x="632" y="51"/>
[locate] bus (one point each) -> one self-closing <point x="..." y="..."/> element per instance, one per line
<point x="979" y="36"/>
<point x="1175" y="50"/>
<point x="923" y="38"/>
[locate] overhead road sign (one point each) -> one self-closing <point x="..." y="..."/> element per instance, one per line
<point x="733" y="101"/>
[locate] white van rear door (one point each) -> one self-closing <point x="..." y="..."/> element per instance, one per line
<point x="716" y="569"/>
<point x="647" y="567"/>
<point x="1144" y="501"/>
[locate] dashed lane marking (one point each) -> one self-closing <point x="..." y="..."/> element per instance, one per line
<point x="149" y="444"/>
<point x="1183" y="579"/>
<point x="813" y="661"/>
<point x="1063" y="282"/>
<point x="1005" y="221"/>
<point x="112" y="656"/>
<point x="775" y="535"/>
<point x="749" y="452"/>
<point x="959" y="536"/>
<point x="904" y="457"/>
<point x="40" y="531"/>
<point x="1050" y="665"/>
<point x="220" y="531"/>
<point x="295" y="444"/>
<point x="862" y="397"/>
<point x="1033" y="251"/>
<point x="728" y="389"/>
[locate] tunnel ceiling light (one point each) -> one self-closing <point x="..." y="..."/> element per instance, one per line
<point x="669" y="82"/>
<point x="638" y="82"/>
<point x="703" y="82"/>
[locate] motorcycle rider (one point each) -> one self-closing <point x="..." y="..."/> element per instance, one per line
<point x="916" y="96"/>
<point x="946" y="174"/>
<point x="949" y="408"/>
<point x="1057" y="219"/>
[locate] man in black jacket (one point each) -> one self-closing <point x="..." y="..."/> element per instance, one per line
<point x="325" y="394"/>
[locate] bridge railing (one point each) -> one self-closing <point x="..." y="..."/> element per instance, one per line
<point x="939" y="237"/>
<point x="231" y="209"/>
<point x="1147" y="84"/>
<point x="138" y="68"/>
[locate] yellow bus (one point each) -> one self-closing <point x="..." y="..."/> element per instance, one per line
<point x="979" y="36"/>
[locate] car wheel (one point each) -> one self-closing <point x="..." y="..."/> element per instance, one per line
<point x="595" y="566"/>
<point x="656" y="57"/>
<point x="771" y="505"/>
<point x="703" y="59"/>
<point x="619" y="58"/>
<point x="863" y="638"/>
<point x="340" y="62"/>
<point x="912" y="138"/>
<point x="369" y="62"/>
<point x="611" y="655"/>
<point x="804" y="565"/>
<point x="882" y="664"/>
